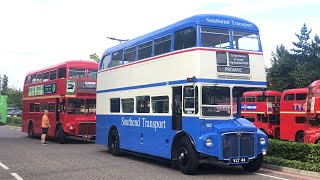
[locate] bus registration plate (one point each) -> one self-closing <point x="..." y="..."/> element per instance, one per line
<point x="239" y="160"/>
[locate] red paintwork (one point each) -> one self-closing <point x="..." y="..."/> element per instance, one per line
<point x="289" y="112"/>
<point x="60" y="94"/>
<point x="263" y="111"/>
<point x="312" y="134"/>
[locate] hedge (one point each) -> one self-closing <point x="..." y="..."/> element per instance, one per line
<point x="12" y="120"/>
<point x="293" y="154"/>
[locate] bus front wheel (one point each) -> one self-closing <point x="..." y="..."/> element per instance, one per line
<point x="30" y="131"/>
<point x="254" y="165"/>
<point x="187" y="157"/>
<point x="300" y="137"/>
<point x="113" y="143"/>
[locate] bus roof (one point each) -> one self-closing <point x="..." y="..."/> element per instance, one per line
<point x="72" y="63"/>
<point x="297" y="90"/>
<point x="216" y="20"/>
<point x="259" y="93"/>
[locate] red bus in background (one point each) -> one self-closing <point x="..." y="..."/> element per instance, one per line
<point x="68" y="91"/>
<point x="312" y="135"/>
<point x="293" y="122"/>
<point x="262" y="111"/>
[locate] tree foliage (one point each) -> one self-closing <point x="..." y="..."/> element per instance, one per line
<point x="296" y="68"/>
<point x="14" y="95"/>
<point x="4" y="82"/>
<point x="95" y="57"/>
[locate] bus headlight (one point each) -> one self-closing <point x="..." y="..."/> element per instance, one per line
<point x="262" y="141"/>
<point x="71" y="127"/>
<point x="208" y="142"/>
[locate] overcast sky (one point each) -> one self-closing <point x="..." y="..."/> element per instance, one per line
<point x="39" y="33"/>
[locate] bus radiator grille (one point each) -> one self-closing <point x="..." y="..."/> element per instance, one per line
<point x="238" y="145"/>
<point x="86" y="129"/>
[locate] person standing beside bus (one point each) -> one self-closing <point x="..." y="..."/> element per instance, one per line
<point x="45" y="126"/>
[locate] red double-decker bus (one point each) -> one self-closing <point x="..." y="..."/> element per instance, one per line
<point x="68" y="91"/>
<point x="312" y="134"/>
<point x="293" y="122"/>
<point x="262" y="109"/>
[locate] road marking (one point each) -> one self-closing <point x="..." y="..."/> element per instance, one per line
<point x="290" y="174"/>
<point x="275" y="177"/>
<point x="3" y="166"/>
<point x="16" y="176"/>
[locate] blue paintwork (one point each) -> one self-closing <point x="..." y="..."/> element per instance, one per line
<point x="211" y="20"/>
<point x="154" y="140"/>
<point x="176" y="82"/>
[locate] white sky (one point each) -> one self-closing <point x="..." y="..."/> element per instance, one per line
<point x="39" y="33"/>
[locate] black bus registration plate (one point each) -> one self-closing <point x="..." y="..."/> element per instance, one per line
<point x="239" y="160"/>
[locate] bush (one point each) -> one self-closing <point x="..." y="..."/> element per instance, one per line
<point x="289" y="150"/>
<point x="294" y="155"/>
<point x="12" y="120"/>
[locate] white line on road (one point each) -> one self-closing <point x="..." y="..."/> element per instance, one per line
<point x="3" y="166"/>
<point x="275" y="177"/>
<point x="16" y="176"/>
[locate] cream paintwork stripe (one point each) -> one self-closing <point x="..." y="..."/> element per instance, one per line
<point x="291" y="112"/>
<point x="48" y="97"/>
<point x="250" y="112"/>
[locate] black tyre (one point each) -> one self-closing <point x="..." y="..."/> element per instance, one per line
<point x="114" y="143"/>
<point x="188" y="160"/>
<point x="30" y="131"/>
<point x="318" y="141"/>
<point x="300" y="137"/>
<point x="60" y="135"/>
<point x="254" y="164"/>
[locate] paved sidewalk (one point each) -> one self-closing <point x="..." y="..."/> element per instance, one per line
<point x="292" y="170"/>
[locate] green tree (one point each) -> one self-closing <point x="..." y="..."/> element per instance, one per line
<point x="5" y="82"/>
<point x="302" y="46"/>
<point x="14" y="97"/>
<point x="296" y="68"/>
<point x="281" y="66"/>
<point x="95" y="57"/>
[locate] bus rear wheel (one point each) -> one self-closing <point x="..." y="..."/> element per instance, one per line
<point x="30" y="131"/>
<point x="188" y="161"/>
<point x="114" y="143"/>
<point x="254" y="165"/>
<point x="60" y="135"/>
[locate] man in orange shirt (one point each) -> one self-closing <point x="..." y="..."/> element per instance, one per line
<point x="44" y="125"/>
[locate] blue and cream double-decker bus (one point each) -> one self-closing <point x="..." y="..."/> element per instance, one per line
<point x="175" y="93"/>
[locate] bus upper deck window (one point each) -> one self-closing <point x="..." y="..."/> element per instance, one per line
<point x="28" y="80"/>
<point x="117" y="58"/>
<point x="185" y="38"/>
<point x="130" y="55"/>
<point x="45" y="76"/>
<point x="77" y="73"/>
<point x="145" y="50"/>
<point x="260" y="99"/>
<point x="33" y="79"/>
<point x="106" y="61"/>
<point x="245" y="40"/>
<point x="62" y="73"/>
<point x="162" y="45"/>
<point x="92" y="74"/>
<point x="212" y="37"/>
<point x="53" y="75"/>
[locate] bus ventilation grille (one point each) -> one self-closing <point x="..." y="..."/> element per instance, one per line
<point x="228" y="76"/>
<point x="238" y="145"/>
<point x="86" y="129"/>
